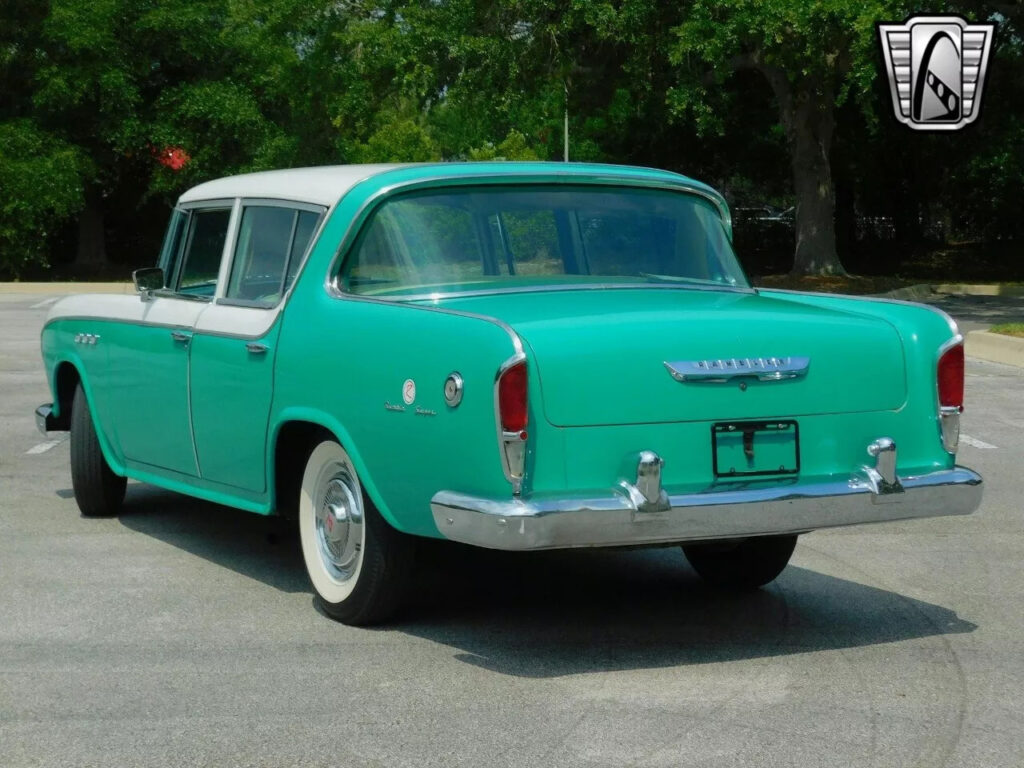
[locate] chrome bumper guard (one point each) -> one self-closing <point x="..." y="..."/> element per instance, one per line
<point x="627" y="516"/>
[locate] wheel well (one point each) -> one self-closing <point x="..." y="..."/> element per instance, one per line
<point x="295" y="441"/>
<point x="66" y="381"/>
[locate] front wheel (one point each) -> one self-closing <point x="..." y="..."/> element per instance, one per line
<point x="742" y="565"/>
<point x="98" y="491"/>
<point x="358" y="564"/>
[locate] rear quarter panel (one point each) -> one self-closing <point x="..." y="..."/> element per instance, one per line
<point x="923" y="331"/>
<point x="341" y="362"/>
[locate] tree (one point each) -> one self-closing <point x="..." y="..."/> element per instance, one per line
<point x="813" y="56"/>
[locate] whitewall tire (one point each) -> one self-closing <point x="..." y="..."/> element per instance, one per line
<point x="357" y="563"/>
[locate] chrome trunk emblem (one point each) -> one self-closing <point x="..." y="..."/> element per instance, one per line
<point x="761" y="368"/>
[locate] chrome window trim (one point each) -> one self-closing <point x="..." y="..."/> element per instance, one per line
<point x="438" y="295"/>
<point x="228" y="262"/>
<point x="370" y="204"/>
<point x="212" y="205"/>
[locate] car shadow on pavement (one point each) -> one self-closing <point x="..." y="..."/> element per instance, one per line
<point x="549" y="614"/>
<point x="259" y="547"/>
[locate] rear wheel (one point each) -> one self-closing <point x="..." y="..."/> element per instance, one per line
<point x="98" y="491"/>
<point x="358" y="564"/>
<point x="741" y="565"/>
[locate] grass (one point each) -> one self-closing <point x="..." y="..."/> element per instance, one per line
<point x="1008" y="329"/>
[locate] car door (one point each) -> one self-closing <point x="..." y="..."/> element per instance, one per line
<point x="148" y="358"/>
<point x="231" y="376"/>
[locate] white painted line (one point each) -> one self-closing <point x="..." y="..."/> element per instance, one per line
<point x="44" y="447"/>
<point x="45" y="303"/>
<point x="975" y="442"/>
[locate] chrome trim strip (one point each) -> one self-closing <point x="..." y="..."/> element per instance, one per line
<point x="517" y="343"/>
<point x="564" y="287"/>
<point x="725" y="511"/>
<point x="723" y="370"/>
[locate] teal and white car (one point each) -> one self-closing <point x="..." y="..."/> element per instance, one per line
<point x="512" y="355"/>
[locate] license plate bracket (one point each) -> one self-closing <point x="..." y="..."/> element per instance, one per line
<point x="763" y="448"/>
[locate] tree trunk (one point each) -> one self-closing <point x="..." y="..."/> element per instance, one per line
<point x="807" y="114"/>
<point x="92" y="243"/>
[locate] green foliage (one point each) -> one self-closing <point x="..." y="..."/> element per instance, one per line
<point x="91" y="92"/>
<point x="41" y="179"/>
<point x="512" y="147"/>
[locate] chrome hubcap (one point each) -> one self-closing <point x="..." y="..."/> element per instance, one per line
<point x="339" y="524"/>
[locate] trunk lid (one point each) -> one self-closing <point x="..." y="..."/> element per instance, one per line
<point x="600" y="354"/>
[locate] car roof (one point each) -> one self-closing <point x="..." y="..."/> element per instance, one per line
<point x="326" y="185"/>
<point x="321" y="185"/>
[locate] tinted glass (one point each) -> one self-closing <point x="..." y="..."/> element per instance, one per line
<point x="170" y="253"/>
<point x="203" y="252"/>
<point x="502" y="237"/>
<point x="261" y="253"/>
<point x="304" y="229"/>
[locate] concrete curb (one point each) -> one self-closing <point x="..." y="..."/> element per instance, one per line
<point x="66" y="288"/>
<point x="979" y="289"/>
<point x="995" y="347"/>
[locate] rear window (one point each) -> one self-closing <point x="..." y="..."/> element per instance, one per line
<point x="503" y="237"/>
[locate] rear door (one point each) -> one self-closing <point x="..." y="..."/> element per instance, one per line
<point x="233" y="348"/>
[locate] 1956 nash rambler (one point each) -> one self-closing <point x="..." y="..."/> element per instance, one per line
<point x="515" y="356"/>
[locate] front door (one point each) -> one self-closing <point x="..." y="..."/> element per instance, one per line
<point x="149" y="354"/>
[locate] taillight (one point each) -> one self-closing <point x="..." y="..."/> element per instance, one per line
<point x="512" y="398"/>
<point x="951" y="378"/>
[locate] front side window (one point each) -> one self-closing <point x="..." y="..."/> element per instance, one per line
<point x="271" y="243"/>
<point x="505" y="237"/>
<point x="170" y="253"/>
<point x="204" y="247"/>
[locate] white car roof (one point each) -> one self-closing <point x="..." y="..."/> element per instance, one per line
<point x="323" y="185"/>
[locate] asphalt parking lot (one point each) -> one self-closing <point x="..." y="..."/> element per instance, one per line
<point x="183" y="633"/>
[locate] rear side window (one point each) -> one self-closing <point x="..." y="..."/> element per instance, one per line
<point x="272" y="241"/>
<point x="208" y="229"/>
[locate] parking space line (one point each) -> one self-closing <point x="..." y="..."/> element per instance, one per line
<point x="975" y="442"/>
<point x="45" y="303"/>
<point x="44" y="447"/>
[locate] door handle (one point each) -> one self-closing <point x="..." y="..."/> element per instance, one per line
<point x="256" y="348"/>
<point x="181" y="336"/>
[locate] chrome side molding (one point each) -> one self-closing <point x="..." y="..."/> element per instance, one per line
<point x="718" y="371"/>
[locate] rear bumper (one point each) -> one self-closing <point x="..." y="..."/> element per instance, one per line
<point x="720" y="512"/>
<point x="47" y="422"/>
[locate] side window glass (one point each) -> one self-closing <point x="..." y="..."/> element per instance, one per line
<point x="203" y="251"/>
<point x="304" y="229"/>
<point x="170" y="253"/>
<point x="271" y="242"/>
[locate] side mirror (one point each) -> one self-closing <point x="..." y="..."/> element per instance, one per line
<point x="147" y="280"/>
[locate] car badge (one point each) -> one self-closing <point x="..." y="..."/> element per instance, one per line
<point x="936" y="67"/>
<point x="726" y="369"/>
<point x="409" y="391"/>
